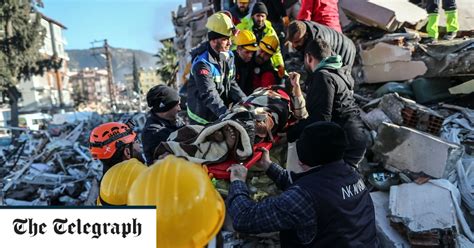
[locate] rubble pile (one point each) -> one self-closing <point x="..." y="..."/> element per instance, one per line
<point x="421" y="156"/>
<point x="40" y="169"/>
<point x="421" y="163"/>
<point x="190" y="28"/>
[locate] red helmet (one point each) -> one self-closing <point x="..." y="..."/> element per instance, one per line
<point x="104" y="139"/>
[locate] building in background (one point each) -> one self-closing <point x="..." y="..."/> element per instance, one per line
<point x="147" y="77"/>
<point x="90" y="86"/>
<point x="51" y="91"/>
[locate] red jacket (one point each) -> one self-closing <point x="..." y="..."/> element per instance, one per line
<point x="263" y="79"/>
<point x="321" y="11"/>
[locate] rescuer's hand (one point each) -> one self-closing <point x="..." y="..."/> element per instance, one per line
<point x="295" y="82"/>
<point x="264" y="162"/>
<point x="237" y="172"/>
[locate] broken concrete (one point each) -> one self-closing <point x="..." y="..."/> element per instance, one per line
<point x="383" y="53"/>
<point x="403" y="149"/>
<point x="464" y="88"/>
<point x="387" y="235"/>
<point x="408" y="113"/>
<point x="45" y="170"/>
<point x="393" y="71"/>
<point x="387" y="15"/>
<point x="190" y="28"/>
<point x="447" y="58"/>
<point x="375" y="118"/>
<point x="425" y="213"/>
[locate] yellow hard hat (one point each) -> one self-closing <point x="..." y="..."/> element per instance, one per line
<point x="189" y="211"/>
<point x="247" y="40"/>
<point x="117" y="181"/>
<point x="243" y="1"/>
<point x="220" y="23"/>
<point x="269" y="44"/>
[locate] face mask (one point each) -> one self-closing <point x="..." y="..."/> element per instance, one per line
<point x="224" y="56"/>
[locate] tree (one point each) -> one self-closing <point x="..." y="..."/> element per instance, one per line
<point x="167" y="63"/>
<point x="136" y="76"/>
<point x="20" y="42"/>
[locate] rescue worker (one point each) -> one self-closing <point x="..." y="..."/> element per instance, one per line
<point x="244" y="64"/>
<point x="114" y="142"/>
<point x="212" y="87"/>
<point x="162" y="119"/>
<point x="327" y="205"/>
<point x="325" y="12"/>
<point x="239" y="10"/>
<point x="452" y="25"/>
<point x="190" y="212"/>
<point x="300" y="33"/>
<point x="261" y="27"/>
<point x="278" y="17"/>
<point x="276" y="13"/>
<point x="117" y="181"/>
<point x="263" y="72"/>
<point x="332" y="99"/>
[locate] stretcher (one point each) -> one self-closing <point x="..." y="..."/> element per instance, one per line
<point x="219" y="171"/>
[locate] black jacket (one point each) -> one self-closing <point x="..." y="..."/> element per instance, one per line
<point x="243" y="75"/>
<point x="340" y="44"/>
<point x="209" y="98"/>
<point x="156" y="130"/>
<point x="343" y="206"/>
<point x="330" y="96"/>
<point x="276" y="10"/>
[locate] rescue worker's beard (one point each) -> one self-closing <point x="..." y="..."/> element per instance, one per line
<point x="243" y="10"/>
<point x="259" y="60"/>
<point x="219" y="48"/>
<point x="259" y="25"/>
<point x="307" y="68"/>
<point x="136" y="154"/>
<point x="302" y="47"/>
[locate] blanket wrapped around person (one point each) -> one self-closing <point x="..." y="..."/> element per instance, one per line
<point x="258" y="117"/>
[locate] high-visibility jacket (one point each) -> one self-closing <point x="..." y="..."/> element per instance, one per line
<point x="211" y="87"/>
<point x="247" y="24"/>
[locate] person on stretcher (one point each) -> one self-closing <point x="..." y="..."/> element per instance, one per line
<point x="258" y="117"/>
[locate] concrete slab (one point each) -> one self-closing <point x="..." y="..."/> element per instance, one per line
<point x="464" y="88"/>
<point x="387" y="15"/>
<point x="375" y="118"/>
<point x="387" y="235"/>
<point x="426" y="211"/>
<point x="393" y="71"/>
<point x="405" y="149"/>
<point x="406" y="112"/>
<point x="383" y="53"/>
<point x="404" y="10"/>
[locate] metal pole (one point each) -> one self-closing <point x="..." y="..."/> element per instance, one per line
<point x="108" y="57"/>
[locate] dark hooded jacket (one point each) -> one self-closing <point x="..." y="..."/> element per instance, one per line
<point x="339" y="43"/>
<point x="330" y="97"/>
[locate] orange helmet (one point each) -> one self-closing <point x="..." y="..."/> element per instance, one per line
<point x="105" y="139"/>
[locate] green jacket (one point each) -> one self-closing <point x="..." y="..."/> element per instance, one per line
<point x="247" y="24"/>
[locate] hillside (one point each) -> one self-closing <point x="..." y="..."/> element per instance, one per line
<point x="121" y="60"/>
